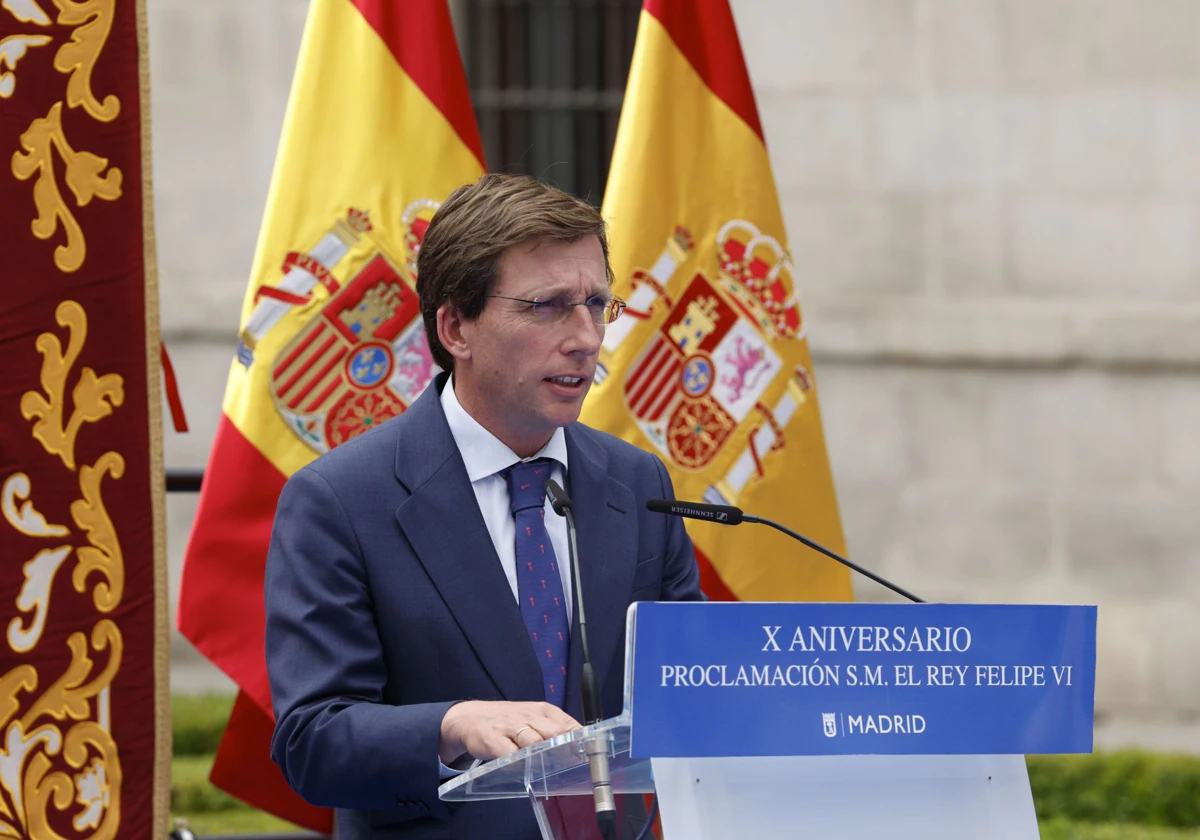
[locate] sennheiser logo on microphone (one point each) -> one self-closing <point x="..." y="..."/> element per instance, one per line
<point x="700" y="513"/>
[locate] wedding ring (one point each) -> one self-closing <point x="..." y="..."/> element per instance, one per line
<point x="517" y="737"/>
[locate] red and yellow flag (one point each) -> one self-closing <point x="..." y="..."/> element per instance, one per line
<point x="379" y="129"/>
<point x="84" y="711"/>
<point x="709" y="366"/>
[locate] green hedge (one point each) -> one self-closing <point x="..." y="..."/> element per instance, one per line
<point x="1123" y="787"/>
<point x="191" y="791"/>
<point x="1106" y="787"/>
<point x="198" y="721"/>
<point x="1061" y="829"/>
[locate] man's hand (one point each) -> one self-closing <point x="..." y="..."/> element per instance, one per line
<point x="489" y="729"/>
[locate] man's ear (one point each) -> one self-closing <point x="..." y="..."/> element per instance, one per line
<point x="450" y="332"/>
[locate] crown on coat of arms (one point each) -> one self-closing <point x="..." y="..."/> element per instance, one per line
<point x="683" y="238"/>
<point x="760" y="268"/>
<point x="359" y="220"/>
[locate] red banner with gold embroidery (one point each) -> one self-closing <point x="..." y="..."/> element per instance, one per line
<point x="83" y="663"/>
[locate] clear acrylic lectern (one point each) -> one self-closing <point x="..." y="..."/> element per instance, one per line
<point x="898" y="796"/>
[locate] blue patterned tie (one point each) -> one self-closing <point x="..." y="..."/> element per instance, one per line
<point x="539" y="584"/>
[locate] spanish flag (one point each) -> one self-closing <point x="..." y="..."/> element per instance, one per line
<point x="379" y="129"/>
<point x="709" y="367"/>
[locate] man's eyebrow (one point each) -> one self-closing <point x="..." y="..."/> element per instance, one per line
<point x="555" y="290"/>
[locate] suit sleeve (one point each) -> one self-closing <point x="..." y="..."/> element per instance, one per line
<point x="338" y="743"/>
<point x="681" y="577"/>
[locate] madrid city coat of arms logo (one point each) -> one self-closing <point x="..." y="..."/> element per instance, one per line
<point x="362" y="357"/>
<point x="705" y="370"/>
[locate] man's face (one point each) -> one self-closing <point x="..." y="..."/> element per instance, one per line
<point x="523" y="371"/>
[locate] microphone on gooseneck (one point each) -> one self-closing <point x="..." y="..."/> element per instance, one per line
<point x="729" y="515"/>
<point x="595" y="748"/>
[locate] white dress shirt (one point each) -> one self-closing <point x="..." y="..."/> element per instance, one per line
<point x="486" y="457"/>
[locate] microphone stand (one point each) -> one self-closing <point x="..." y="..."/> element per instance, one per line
<point x="746" y="517"/>
<point x="591" y="688"/>
<point x="596" y="749"/>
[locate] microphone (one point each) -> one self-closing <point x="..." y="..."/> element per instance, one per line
<point x="595" y="748"/>
<point x="721" y="514"/>
<point x="729" y="515"/>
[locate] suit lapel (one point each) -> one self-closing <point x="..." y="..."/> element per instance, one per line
<point x="441" y="520"/>
<point x="604" y="521"/>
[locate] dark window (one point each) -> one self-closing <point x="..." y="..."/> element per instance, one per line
<point x="547" y="78"/>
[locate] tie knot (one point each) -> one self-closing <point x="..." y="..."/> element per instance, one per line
<point x="526" y="484"/>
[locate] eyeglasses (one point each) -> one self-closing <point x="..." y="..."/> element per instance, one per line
<point x="555" y="310"/>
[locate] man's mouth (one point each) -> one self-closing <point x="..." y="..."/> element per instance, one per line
<point x="567" y="381"/>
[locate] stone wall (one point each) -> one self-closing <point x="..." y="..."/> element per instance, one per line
<point x="995" y="208"/>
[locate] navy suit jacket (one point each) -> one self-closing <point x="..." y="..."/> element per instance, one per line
<point x="386" y="603"/>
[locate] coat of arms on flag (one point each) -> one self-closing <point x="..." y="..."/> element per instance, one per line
<point x="362" y="357"/>
<point x="705" y="370"/>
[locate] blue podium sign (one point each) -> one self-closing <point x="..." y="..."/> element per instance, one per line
<point x="772" y="679"/>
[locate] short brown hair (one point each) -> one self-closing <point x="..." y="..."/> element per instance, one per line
<point x="459" y="260"/>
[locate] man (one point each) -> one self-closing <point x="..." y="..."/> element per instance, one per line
<point x="419" y="607"/>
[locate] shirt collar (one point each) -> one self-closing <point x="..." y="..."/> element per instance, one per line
<point x="481" y="451"/>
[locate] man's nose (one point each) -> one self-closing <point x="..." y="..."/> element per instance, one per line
<point x="585" y="334"/>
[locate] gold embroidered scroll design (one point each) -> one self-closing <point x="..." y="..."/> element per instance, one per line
<point x="59" y="764"/>
<point x="87" y="175"/>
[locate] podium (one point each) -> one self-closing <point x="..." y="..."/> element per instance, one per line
<point x="797" y="720"/>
